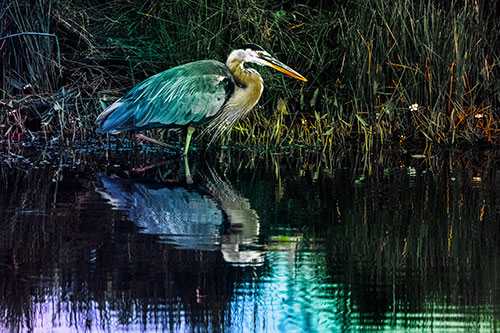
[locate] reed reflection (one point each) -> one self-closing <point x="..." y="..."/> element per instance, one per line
<point x="414" y="244"/>
<point x="208" y="216"/>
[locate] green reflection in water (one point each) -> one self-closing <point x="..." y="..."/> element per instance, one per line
<point x="294" y="295"/>
<point x="405" y="248"/>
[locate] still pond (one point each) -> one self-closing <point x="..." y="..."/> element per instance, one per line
<point x="118" y="240"/>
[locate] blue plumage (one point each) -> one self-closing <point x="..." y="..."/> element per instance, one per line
<point x="186" y="95"/>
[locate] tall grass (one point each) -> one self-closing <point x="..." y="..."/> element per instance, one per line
<point x="442" y="59"/>
<point x="367" y="64"/>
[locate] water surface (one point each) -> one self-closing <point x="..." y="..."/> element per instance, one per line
<point x="287" y="242"/>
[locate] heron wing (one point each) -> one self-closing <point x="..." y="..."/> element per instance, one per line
<point x="189" y="94"/>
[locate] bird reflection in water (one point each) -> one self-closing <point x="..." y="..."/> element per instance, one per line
<point x="208" y="216"/>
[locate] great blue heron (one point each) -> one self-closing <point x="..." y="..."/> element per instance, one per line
<point x="194" y="94"/>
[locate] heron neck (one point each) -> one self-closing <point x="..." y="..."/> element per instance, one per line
<point x="247" y="92"/>
<point x="249" y="88"/>
<point x="245" y="77"/>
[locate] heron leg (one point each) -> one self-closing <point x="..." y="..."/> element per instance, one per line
<point x="189" y="179"/>
<point x="145" y="138"/>
<point x="188" y="139"/>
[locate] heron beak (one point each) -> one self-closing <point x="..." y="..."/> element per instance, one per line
<point x="271" y="62"/>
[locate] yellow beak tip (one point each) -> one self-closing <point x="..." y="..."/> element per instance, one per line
<point x="287" y="72"/>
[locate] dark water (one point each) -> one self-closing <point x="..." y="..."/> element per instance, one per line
<point x="258" y="242"/>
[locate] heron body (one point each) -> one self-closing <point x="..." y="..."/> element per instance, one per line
<point x="192" y="95"/>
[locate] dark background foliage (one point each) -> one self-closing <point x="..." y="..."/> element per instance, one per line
<point x="367" y="63"/>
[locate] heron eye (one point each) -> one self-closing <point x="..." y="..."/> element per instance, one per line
<point x="260" y="54"/>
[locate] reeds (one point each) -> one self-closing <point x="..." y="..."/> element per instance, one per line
<point x="367" y="65"/>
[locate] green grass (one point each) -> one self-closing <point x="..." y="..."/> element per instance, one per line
<point x="366" y="65"/>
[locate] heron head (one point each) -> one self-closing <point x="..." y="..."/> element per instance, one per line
<point x="256" y="54"/>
